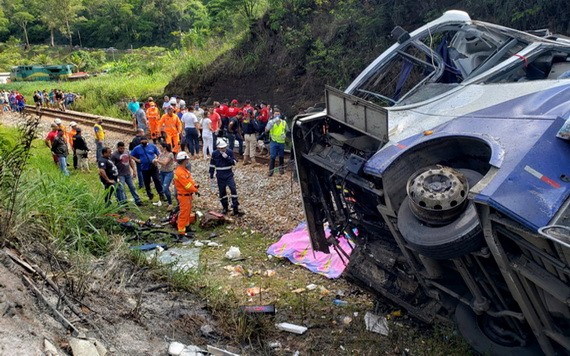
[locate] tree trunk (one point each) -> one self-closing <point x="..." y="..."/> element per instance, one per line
<point x="70" y="34"/>
<point x="52" y="37"/>
<point x="26" y="36"/>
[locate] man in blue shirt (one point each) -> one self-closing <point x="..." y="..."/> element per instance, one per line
<point x="147" y="155"/>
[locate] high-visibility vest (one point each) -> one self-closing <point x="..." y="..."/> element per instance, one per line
<point x="99" y="133"/>
<point x="277" y="131"/>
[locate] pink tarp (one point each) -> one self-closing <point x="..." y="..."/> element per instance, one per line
<point x="296" y="246"/>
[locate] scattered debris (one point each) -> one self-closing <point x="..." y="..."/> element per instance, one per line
<point x="149" y="247"/>
<point x="255" y="291"/>
<point x="183" y="259"/>
<point x="298" y="290"/>
<point x="219" y="352"/>
<point x="50" y="349"/>
<point x="292" y="328"/>
<point x="212" y="219"/>
<point x="375" y="323"/>
<point x="311" y="286"/>
<point x="258" y="309"/>
<point x="82" y="347"/>
<point x="346" y="320"/>
<point x="198" y="244"/>
<point x="179" y="349"/>
<point x="233" y="253"/>
<point x="274" y="345"/>
<point x="175" y="348"/>
<point x="213" y="244"/>
<point x="269" y="273"/>
<point x="340" y="302"/>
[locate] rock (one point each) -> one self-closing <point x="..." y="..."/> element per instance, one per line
<point x="207" y="329"/>
<point x="50" y="349"/>
<point x="100" y="347"/>
<point x="175" y="348"/>
<point x="81" y="347"/>
<point x="192" y="350"/>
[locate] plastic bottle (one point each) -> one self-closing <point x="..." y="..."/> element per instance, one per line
<point x="340" y="302"/>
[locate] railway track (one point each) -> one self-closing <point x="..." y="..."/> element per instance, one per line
<point x="84" y="119"/>
<point x="109" y="124"/>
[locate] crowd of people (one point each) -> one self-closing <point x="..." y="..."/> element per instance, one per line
<point x="167" y="139"/>
<point x="12" y="101"/>
<point x="55" y="99"/>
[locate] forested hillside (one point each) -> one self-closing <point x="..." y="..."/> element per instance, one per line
<point x="301" y="45"/>
<point x="284" y="51"/>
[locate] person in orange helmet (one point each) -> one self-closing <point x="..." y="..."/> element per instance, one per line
<point x="153" y="117"/>
<point x="185" y="187"/>
<point x="172" y="127"/>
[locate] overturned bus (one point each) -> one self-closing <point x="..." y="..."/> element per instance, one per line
<point x="447" y="155"/>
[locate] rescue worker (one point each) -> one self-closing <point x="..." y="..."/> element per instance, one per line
<point x="221" y="163"/>
<point x="185" y="187"/>
<point x="172" y="127"/>
<point x="70" y="136"/>
<point x="277" y="128"/>
<point x="153" y="117"/>
<point x="61" y="126"/>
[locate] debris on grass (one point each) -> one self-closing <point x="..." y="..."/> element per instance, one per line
<point x="292" y="328"/>
<point x="233" y="253"/>
<point x="377" y="324"/>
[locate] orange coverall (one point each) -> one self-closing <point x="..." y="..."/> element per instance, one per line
<point x="70" y="135"/>
<point x="185" y="187"/>
<point x="172" y="126"/>
<point x="153" y="116"/>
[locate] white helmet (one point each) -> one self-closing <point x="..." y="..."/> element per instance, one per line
<point x="73" y="123"/>
<point x="172" y="101"/>
<point x="221" y="143"/>
<point x="181" y="156"/>
<point x="57" y="121"/>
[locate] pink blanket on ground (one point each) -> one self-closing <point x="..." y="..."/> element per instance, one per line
<point x="296" y="246"/>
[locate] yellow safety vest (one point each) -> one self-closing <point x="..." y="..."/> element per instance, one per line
<point x="277" y="131"/>
<point x="99" y="133"/>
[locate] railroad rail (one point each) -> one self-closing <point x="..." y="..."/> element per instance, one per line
<point x="86" y="119"/>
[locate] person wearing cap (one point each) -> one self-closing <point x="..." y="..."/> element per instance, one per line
<point x="81" y="151"/>
<point x="185" y="187"/>
<point x="277" y="129"/>
<point x="61" y="126"/>
<point x="172" y="127"/>
<point x="221" y="163"/>
<point x="70" y="135"/>
<point x="99" y="137"/>
<point x="147" y="155"/>
<point x="125" y="174"/>
<point x="49" y="140"/>
<point x="147" y="103"/>
<point x="59" y="148"/>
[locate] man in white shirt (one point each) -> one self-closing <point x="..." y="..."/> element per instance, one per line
<point x="190" y="122"/>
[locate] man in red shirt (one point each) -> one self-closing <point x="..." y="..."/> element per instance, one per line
<point x="215" y="126"/>
<point x="247" y="107"/>
<point x="49" y="141"/>
<point x="263" y="116"/>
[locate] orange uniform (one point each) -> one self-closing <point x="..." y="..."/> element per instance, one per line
<point x="153" y="117"/>
<point x="171" y="125"/>
<point x="185" y="187"/>
<point x="70" y="135"/>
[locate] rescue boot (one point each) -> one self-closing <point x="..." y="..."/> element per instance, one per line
<point x="225" y="210"/>
<point x="236" y="212"/>
<point x="271" y="167"/>
<point x="281" y="165"/>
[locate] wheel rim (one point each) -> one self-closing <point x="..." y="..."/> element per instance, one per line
<point x="438" y="194"/>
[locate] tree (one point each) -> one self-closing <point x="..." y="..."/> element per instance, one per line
<point x="23" y="18"/>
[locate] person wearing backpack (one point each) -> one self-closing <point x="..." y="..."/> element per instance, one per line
<point x="250" y="127"/>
